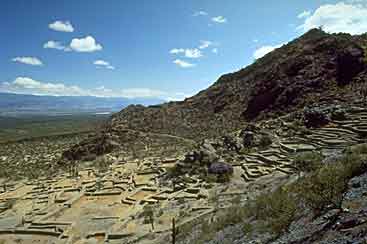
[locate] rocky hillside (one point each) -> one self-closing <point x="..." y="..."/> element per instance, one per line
<point x="316" y="68"/>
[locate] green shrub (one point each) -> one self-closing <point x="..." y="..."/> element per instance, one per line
<point x="173" y="171"/>
<point x="276" y="209"/>
<point x="326" y="185"/>
<point x="247" y="228"/>
<point x="308" y="161"/>
<point x="102" y="163"/>
<point x="210" y="178"/>
<point x="360" y="149"/>
<point x="323" y="188"/>
<point x="148" y="214"/>
<point x="265" y="141"/>
<point x="224" y="178"/>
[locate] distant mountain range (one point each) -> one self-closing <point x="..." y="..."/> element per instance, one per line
<point x="20" y="104"/>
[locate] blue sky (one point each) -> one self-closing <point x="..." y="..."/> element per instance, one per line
<point x="144" y="48"/>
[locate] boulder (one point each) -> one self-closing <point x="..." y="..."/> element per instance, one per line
<point x="220" y="168"/>
<point x="207" y="153"/>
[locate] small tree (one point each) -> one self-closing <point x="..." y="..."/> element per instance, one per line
<point x="102" y="164"/>
<point x="148" y="213"/>
<point x="174" y="231"/>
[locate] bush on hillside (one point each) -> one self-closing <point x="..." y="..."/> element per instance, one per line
<point x="308" y="161"/>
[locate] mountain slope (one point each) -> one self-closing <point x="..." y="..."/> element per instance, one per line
<point x="312" y="68"/>
<point x="315" y="68"/>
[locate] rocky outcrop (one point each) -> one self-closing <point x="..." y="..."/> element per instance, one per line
<point x="92" y="147"/>
<point x="345" y="225"/>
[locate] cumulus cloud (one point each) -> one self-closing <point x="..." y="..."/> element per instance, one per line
<point x="304" y="14"/>
<point x="103" y="63"/>
<point x="26" y="85"/>
<point x="183" y="64"/>
<point x="219" y="19"/>
<point x="54" y="45"/>
<point x="87" y="44"/>
<point x="29" y="86"/>
<point x="205" y="44"/>
<point x="177" y="50"/>
<point x="340" y="17"/>
<point x="200" y="13"/>
<point x="63" y="26"/>
<point x="188" y="53"/>
<point x="262" y="51"/>
<point x="193" y="53"/>
<point x="28" y="60"/>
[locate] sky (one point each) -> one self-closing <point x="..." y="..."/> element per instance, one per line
<point x="167" y="49"/>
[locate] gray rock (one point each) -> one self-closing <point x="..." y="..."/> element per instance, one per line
<point x="220" y="168"/>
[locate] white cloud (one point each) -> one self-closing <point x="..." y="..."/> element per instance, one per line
<point x="200" y="13"/>
<point x="177" y="51"/>
<point x="205" y="44"/>
<point x="219" y="19"/>
<point x="64" y="26"/>
<point x="183" y="64"/>
<point x="102" y="63"/>
<point x="193" y="53"/>
<point x="29" y="86"/>
<point x="340" y="17"/>
<point x="304" y="14"/>
<point x="26" y="85"/>
<point x="26" y="82"/>
<point x="215" y="50"/>
<point x="28" y="60"/>
<point x="87" y="44"/>
<point x="54" y="45"/>
<point x="262" y="51"/>
<point x="188" y="53"/>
